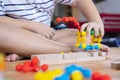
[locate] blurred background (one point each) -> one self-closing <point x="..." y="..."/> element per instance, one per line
<point x="110" y="13"/>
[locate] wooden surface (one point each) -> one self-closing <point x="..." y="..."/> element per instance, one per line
<point x="102" y="66"/>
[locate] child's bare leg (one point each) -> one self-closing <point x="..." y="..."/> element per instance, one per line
<point x="70" y="38"/>
<point x="26" y="43"/>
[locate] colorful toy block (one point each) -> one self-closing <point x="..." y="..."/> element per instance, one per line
<point x="82" y="44"/>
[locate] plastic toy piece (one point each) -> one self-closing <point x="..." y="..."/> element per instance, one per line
<point x="87" y="73"/>
<point x="76" y="76"/>
<point x="99" y="76"/>
<point x="19" y="67"/>
<point x="44" y="67"/>
<point x="35" y="68"/>
<point x="58" y="20"/>
<point x="32" y="65"/>
<point x="26" y="69"/>
<point x="81" y="56"/>
<point x="63" y="77"/>
<point x="106" y="77"/>
<point x="35" y="61"/>
<point x="68" y="21"/>
<point x="96" y="76"/>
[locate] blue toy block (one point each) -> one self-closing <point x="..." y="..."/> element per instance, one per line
<point x="87" y="73"/>
<point x="63" y="77"/>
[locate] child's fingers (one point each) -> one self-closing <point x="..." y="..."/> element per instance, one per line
<point x="102" y="32"/>
<point x="83" y="27"/>
<point x="96" y="31"/>
<point x="92" y="25"/>
<point x="89" y="28"/>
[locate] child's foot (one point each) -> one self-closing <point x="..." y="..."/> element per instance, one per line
<point x="12" y="57"/>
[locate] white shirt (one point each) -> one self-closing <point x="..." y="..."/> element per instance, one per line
<point x="35" y="10"/>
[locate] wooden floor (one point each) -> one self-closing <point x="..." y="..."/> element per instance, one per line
<point x="102" y="66"/>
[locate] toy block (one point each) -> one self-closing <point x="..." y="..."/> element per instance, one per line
<point x="83" y="59"/>
<point x="89" y="59"/>
<point x="67" y="61"/>
<point x="102" y="54"/>
<point x="79" y="54"/>
<point x="40" y="57"/>
<point x="53" y="56"/>
<point x="91" y="56"/>
<point x="49" y="56"/>
<point x="115" y="64"/>
<point x="67" y="56"/>
<point x="98" y="58"/>
<point x="49" y="62"/>
<point x="95" y="54"/>
<point x="75" y="55"/>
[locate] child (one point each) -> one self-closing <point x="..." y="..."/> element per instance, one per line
<point x="24" y="27"/>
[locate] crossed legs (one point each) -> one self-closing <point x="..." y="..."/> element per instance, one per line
<point x="25" y="43"/>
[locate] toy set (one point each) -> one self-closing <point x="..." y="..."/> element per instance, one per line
<point x="71" y="72"/>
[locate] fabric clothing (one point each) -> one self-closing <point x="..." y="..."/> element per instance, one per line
<point x="35" y="10"/>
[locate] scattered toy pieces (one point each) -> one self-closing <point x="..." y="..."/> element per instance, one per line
<point x="72" y="72"/>
<point x="32" y="65"/>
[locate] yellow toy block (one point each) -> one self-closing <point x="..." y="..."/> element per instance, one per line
<point x="83" y="33"/>
<point x="77" y="44"/>
<point x="76" y="75"/>
<point x="99" y="45"/>
<point x="84" y="45"/>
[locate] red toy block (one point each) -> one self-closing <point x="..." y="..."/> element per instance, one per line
<point x="27" y="63"/>
<point x="65" y="19"/>
<point x="36" y="68"/>
<point x="35" y="61"/>
<point x="44" y="67"/>
<point x="19" y="67"/>
<point x="96" y="76"/>
<point x="72" y="19"/>
<point x="106" y="77"/>
<point x="26" y="69"/>
<point x="76" y="23"/>
<point x="58" y="20"/>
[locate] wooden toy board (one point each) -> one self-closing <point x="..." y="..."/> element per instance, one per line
<point x="71" y="57"/>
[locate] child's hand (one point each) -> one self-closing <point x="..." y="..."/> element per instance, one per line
<point x="39" y="28"/>
<point x="46" y="31"/>
<point x="97" y="26"/>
